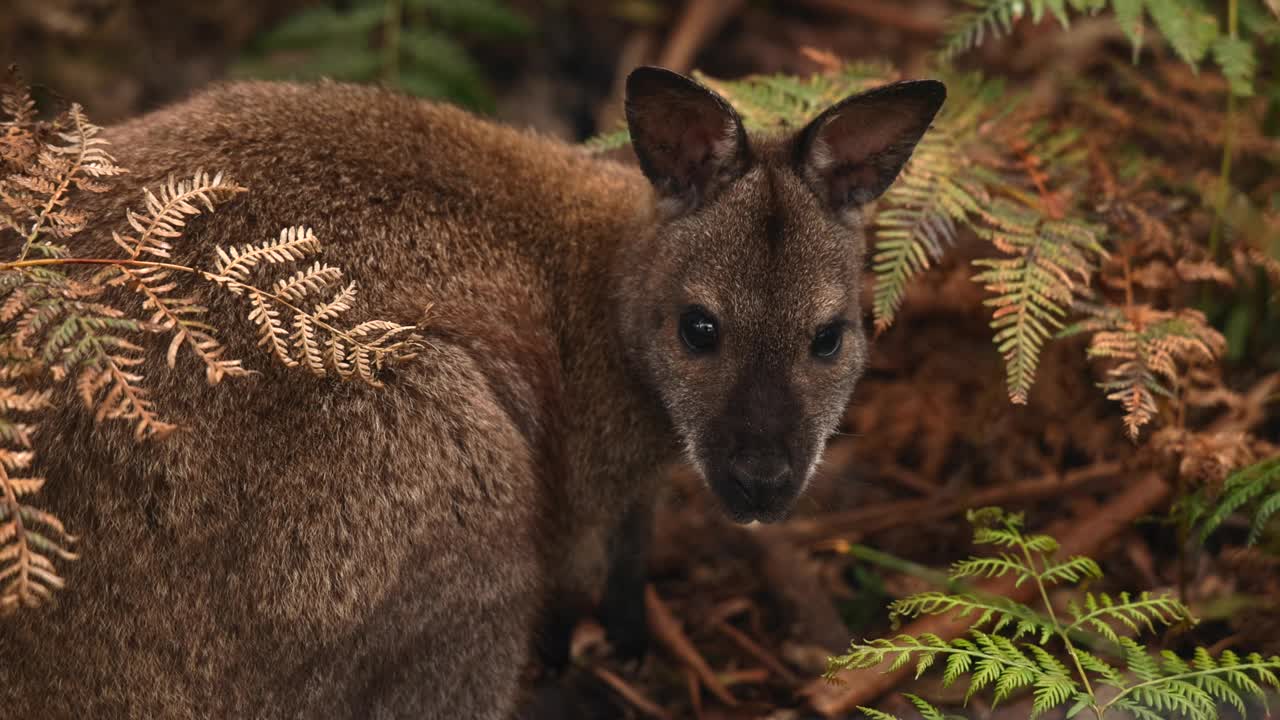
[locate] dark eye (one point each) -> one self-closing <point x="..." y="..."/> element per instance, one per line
<point x="698" y="331"/>
<point x="827" y="342"/>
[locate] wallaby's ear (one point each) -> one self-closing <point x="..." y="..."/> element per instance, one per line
<point x="686" y="137"/>
<point x="852" y="152"/>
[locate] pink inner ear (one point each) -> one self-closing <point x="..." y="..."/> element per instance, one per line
<point x="859" y="134"/>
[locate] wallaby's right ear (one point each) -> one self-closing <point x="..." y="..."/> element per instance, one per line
<point x="687" y="138"/>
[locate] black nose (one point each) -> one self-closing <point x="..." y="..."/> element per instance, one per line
<point x="761" y="478"/>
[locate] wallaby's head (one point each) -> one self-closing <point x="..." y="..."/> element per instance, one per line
<point x="742" y="306"/>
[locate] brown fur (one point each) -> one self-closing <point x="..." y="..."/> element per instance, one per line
<point x="311" y="548"/>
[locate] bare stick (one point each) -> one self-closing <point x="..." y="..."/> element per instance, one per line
<point x="755" y="650"/>
<point x="667" y="628"/>
<point x="630" y="694"/>
<point x="884" y="516"/>
<point x="700" y="20"/>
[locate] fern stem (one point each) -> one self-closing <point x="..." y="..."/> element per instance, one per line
<point x="906" y="567"/>
<point x="1228" y="144"/>
<point x="1061" y="632"/>
<point x="20" y="264"/>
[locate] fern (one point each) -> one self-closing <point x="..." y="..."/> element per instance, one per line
<point x="1149" y="346"/>
<point x="1014" y="656"/>
<point x="937" y="191"/>
<point x="30" y="539"/>
<point x="1256" y="486"/>
<point x="1051" y="265"/>
<point x="315" y="342"/>
<point x="987" y="18"/>
<point x="1191" y="31"/>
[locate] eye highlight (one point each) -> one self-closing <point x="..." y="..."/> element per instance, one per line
<point x="699" y="331"/>
<point x="828" y="340"/>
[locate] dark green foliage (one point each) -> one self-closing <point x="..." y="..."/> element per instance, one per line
<point x="1189" y="26"/>
<point x="1010" y="647"/>
<point x="1255" y="489"/>
<point x="411" y="45"/>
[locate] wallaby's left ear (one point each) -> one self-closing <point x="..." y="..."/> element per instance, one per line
<point x="852" y="152"/>
<point x="688" y="139"/>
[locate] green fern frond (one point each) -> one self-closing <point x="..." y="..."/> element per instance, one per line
<point x="933" y="194"/>
<point x="1051" y="264"/>
<point x="1238" y="62"/>
<point x="412" y="45"/>
<point x="992" y="567"/>
<point x="1101" y="613"/>
<point x="1258" y="483"/>
<point x="1075" y="569"/>
<point x="1013" y="658"/>
<point x="1000" y="613"/>
<point x="779" y="102"/>
<point x="988" y="18"/>
<point x="1189" y="29"/>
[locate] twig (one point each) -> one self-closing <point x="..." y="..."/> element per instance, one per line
<point x="630" y="694"/>
<point x="746" y="676"/>
<point x="1085" y="536"/>
<point x="881" y="13"/>
<point x="695" y="691"/>
<point x="878" y="518"/>
<point x="755" y="650"/>
<point x="667" y="628"/>
<point x="700" y="20"/>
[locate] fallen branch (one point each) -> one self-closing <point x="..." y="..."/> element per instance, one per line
<point x="1084" y="536"/>
<point x="755" y="650"/>
<point x="856" y="524"/>
<point x="630" y="694"/>
<point x="700" y="20"/>
<point x="667" y="629"/>
<point x="907" y="19"/>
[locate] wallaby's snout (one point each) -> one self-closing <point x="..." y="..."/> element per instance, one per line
<point x="763" y="487"/>
<point x="757" y="454"/>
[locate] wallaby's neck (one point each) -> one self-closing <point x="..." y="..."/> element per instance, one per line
<point x="618" y="427"/>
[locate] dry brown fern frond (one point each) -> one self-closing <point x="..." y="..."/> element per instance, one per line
<point x="29" y="538"/>
<point x="314" y="342"/>
<point x="36" y="198"/>
<point x="163" y="221"/>
<point x="168" y="209"/>
<point x="1208" y="457"/>
<point x="18" y="144"/>
<point x="1150" y="350"/>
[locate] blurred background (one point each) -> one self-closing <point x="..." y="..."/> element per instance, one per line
<point x="554" y="64"/>
<point x="1161" y="127"/>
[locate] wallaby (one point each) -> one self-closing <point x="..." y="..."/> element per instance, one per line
<point x="308" y="548"/>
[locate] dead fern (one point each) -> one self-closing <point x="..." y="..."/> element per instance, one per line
<point x="60" y="327"/>
<point x="30" y="539"/>
<point x="315" y="342"/>
<point x="1149" y="349"/>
